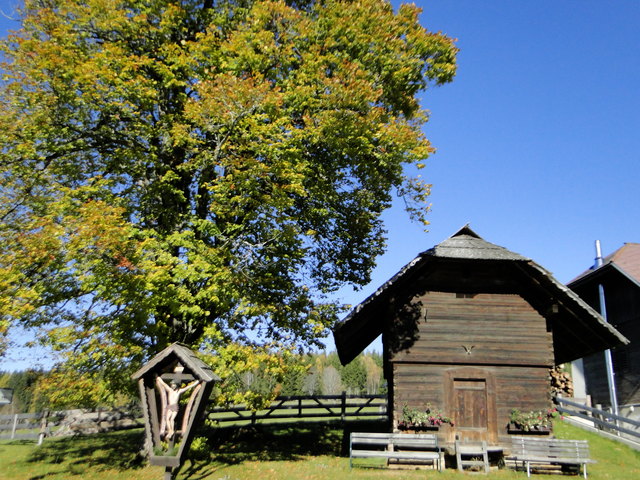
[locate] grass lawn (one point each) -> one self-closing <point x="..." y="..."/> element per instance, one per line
<point x="278" y="452"/>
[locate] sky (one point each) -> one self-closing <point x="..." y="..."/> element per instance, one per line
<point x="537" y="137"/>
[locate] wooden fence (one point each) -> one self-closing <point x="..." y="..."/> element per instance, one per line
<point x="309" y="407"/>
<point x="23" y="426"/>
<point x="34" y="426"/>
<point x="601" y="419"/>
<point x="30" y="426"/>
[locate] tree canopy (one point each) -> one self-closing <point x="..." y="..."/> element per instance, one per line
<point x="202" y="171"/>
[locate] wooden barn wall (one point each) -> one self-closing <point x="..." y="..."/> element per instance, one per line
<point x="498" y="336"/>
<point x="623" y="312"/>
<point x="595" y="375"/>
<point x="626" y="364"/>
<point x="417" y="385"/>
<point x="490" y="329"/>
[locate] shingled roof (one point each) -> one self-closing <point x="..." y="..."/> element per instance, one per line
<point x="476" y="266"/>
<point x="186" y="356"/>
<point x="466" y="243"/>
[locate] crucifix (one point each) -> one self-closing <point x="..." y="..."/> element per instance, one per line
<point x="170" y="398"/>
<point x="170" y="423"/>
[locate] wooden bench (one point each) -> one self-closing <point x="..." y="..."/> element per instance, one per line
<point x="399" y="446"/>
<point x="550" y="451"/>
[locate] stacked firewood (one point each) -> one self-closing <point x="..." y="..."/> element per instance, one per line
<point x="561" y="383"/>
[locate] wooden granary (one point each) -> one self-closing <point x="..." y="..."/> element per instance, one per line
<point x="472" y="329"/>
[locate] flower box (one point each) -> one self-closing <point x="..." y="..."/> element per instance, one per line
<point x="531" y="423"/>
<point x="416" y="421"/>
<point x="406" y="428"/>
<point x="515" y="429"/>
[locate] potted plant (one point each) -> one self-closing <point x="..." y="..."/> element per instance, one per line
<point x="535" y="421"/>
<point x="416" y="420"/>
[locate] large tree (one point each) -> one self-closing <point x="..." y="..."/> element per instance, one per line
<point x="203" y="171"/>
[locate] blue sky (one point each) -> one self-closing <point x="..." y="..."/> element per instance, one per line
<point x="537" y="137"/>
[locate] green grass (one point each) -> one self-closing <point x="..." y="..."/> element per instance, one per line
<point x="279" y="452"/>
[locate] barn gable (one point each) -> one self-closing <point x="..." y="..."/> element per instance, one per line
<point x="467" y="264"/>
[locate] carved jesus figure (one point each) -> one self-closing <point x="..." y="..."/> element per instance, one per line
<point x="172" y="404"/>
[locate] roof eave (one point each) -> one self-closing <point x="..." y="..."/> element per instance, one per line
<point x="186" y="356"/>
<point x="594" y="275"/>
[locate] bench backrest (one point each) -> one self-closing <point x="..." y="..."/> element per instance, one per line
<point x="551" y="448"/>
<point x="417" y="440"/>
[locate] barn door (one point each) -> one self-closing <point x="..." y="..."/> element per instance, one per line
<point x="470" y="408"/>
<point x="472" y="400"/>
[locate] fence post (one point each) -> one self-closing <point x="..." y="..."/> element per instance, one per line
<point x="599" y="417"/>
<point x="614" y="421"/>
<point x="343" y="410"/>
<point x="43" y="426"/>
<point x="15" y="425"/>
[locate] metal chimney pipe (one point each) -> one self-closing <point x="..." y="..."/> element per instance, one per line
<point x="613" y="397"/>
<point x="598" y="254"/>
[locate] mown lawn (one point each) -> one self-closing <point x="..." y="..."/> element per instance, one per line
<point x="278" y="452"/>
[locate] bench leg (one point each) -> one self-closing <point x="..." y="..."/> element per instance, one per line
<point x="584" y="467"/>
<point x="350" y="454"/>
<point x="528" y="469"/>
<point x="485" y="457"/>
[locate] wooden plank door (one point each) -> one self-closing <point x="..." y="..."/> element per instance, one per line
<point x="470" y="408"/>
<point x="470" y="397"/>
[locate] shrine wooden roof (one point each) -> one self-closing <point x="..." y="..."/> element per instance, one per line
<point x="185" y="355"/>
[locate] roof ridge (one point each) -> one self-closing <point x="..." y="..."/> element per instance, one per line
<point x="465" y="230"/>
<point x="466" y="243"/>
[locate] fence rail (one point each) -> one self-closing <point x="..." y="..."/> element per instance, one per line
<point x="30" y="426"/>
<point x="312" y="407"/>
<point x="306" y="407"/>
<point x="601" y="419"/>
<point x="21" y="426"/>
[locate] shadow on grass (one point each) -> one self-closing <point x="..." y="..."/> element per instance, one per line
<point x="224" y="447"/>
<point x="271" y="443"/>
<point x="118" y="450"/>
<point x="285" y="442"/>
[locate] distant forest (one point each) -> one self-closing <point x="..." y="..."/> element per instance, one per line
<point x="322" y="375"/>
<point x="24" y="386"/>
